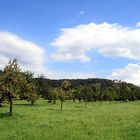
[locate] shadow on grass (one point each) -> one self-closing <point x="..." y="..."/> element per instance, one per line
<point x="25" y="105"/>
<point x="78" y="106"/>
<point x="3" y="115"/>
<point x="3" y="105"/>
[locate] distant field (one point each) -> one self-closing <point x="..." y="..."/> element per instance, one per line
<point x="44" y="121"/>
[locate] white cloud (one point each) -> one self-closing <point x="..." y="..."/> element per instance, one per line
<point x="30" y="56"/>
<point x="131" y="74"/>
<point x="111" y="40"/>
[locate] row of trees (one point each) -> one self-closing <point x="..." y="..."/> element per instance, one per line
<point x="119" y="91"/>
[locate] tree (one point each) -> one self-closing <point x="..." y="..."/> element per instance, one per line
<point x="87" y="93"/>
<point x="98" y="92"/>
<point x="61" y="96"/>
<point x="51" y="94"/>
<point x="1" y="98"/>
<point x="30" y="88"/>
<point x="65" y="85"/>
<point x="43" y="89"/>
<point x="1" y="93"/>
<point x="125" y="91"/>
<point x="116" y="85"/>
<point x="76" y="94"/>
<point x="135" y="92"/>
<point x="61" y="92"/>
<point x="11" y="81"/>
<point x="54" y="94"/>
<point x="84" y="92"/>
<point x="14" y="83"/>
<point x="109" y="94"/>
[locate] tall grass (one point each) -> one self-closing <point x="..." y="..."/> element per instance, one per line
<point x="44" y="121"/>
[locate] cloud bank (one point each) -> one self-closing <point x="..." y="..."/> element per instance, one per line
<point x="110" y="40"/>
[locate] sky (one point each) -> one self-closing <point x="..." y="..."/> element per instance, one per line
<point x="72" y="38"/>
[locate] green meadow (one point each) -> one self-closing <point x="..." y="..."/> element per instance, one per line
<point x="45" y="121"/>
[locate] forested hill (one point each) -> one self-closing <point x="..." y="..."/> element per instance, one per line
<point x="82" y="82"/>
<point x="79" y="82"/>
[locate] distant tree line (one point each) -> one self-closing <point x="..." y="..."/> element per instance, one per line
<point x="89" y="89"/>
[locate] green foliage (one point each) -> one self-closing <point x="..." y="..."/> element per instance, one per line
<point x="43" y="89"/>
<point x="16" y="84"/>
<point x="61" y="94"/>
<point x="65" y="85"/>
<point x="30" y="88"/>
<point x="10" y="82"/>
<point x="76" y="94"/>
<point x="1" y="98"/>
<point x="110" y="94"/>
<point x="54" y="94"/>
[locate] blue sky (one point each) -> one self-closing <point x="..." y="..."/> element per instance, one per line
<point x="58" y="37"/>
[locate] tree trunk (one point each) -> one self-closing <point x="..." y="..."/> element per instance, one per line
<point x="1" y="99"/>
<point x="54" y="101"/>
<point x="79" y="100"/>
<point x="100" y="102"/>
<point x="61" y="104"/>
<point x="11" y="108"/>
<point x="0" y="102"/>
<point x="85" y="103"/>
<point x="50" y="101"/>
<point x="32" y="102"/>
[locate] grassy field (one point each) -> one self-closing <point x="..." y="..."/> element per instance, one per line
<point x="115" y="121"/>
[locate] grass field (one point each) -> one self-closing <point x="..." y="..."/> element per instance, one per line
<point x="43" y="121"/>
